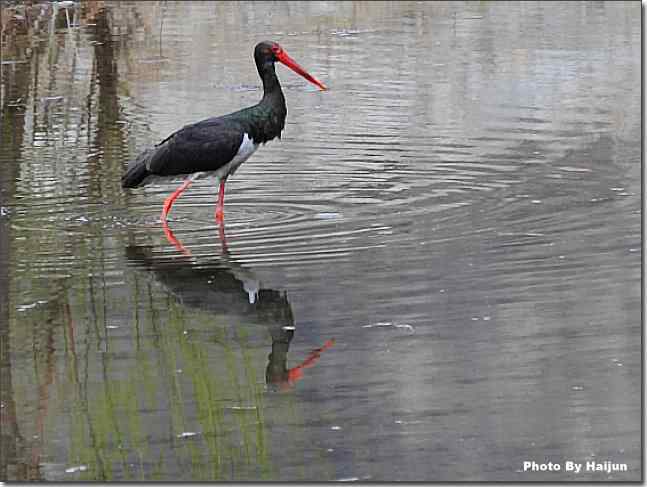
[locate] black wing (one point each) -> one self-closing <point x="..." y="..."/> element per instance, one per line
<point x="203" y="146"/>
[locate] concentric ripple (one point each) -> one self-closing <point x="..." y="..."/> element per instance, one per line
<point x="422" y="151"/>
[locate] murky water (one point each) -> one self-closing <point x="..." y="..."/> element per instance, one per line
<point x="434" y="275"/>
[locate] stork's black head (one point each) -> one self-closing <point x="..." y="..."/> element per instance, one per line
<point x="267" y="53"/>
<point x="264" y="52"/>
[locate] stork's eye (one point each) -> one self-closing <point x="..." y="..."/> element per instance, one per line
<point x="276" y="49"/>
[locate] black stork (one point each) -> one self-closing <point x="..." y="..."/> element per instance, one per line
<point x="217" y="146"/>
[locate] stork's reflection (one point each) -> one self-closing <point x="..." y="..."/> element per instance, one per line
<point x="223" y="286"/>
<point x="173" y="240"/>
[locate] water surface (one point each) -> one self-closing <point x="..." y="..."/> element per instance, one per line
<point x="434" y="275"/>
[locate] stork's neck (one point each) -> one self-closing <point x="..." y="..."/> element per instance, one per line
<point x="271" y="87"/>
<point x="266" y="119"/>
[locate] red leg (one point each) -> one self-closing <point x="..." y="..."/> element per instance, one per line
<point x="220" y="207"/>
<point x="168" y="202"/>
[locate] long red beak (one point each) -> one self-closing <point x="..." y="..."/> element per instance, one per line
<point x="292" y="64"/>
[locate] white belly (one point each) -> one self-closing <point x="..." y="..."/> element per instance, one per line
<point x="246" y="149"/>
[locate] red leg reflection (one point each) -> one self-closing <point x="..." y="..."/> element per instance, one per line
<point x="223" y="238"/>
<point x="174" y="241"/>
<point x="296" y="373"/>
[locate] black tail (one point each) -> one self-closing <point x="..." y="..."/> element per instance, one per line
<point x="137" y="172"/>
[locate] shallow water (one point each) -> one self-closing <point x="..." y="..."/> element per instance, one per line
<point x="455" y="225"/>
